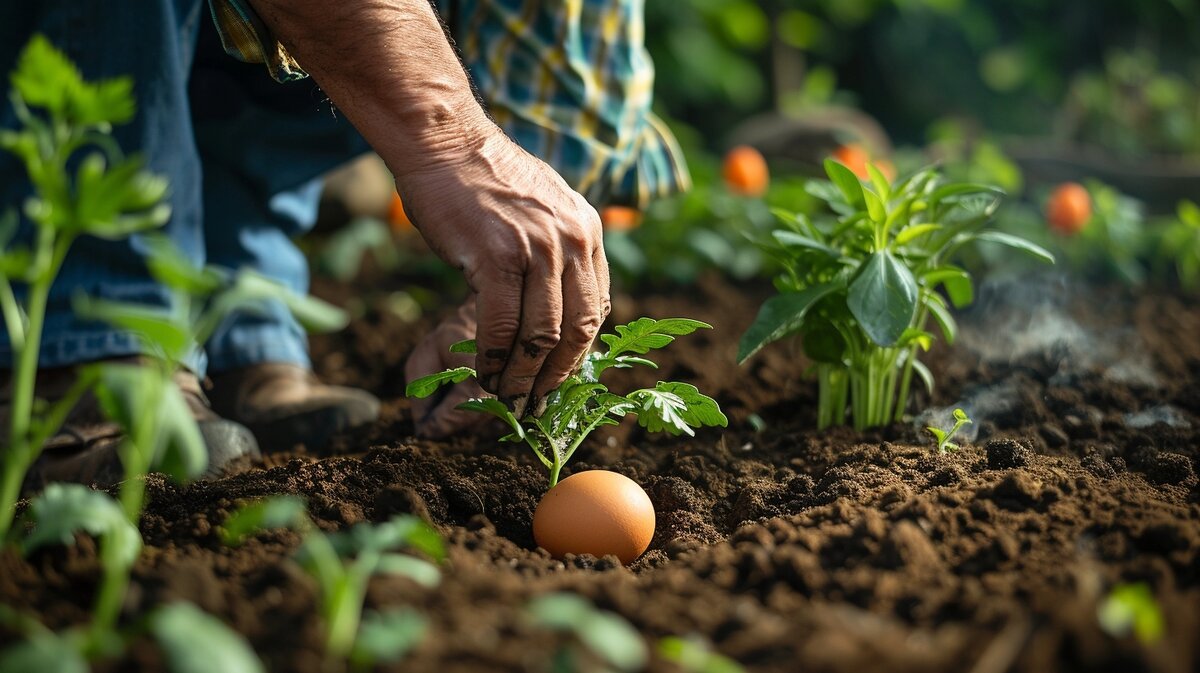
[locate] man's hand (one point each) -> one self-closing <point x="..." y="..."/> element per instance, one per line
<point x="532" y="251"/>
<point x="438" y="416"/>
<point x="529" y="245"/>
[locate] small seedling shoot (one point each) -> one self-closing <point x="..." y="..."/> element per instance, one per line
<point x="1132" y="609"/>
<point x="595" y="634"/>
<point x="861" y="281"/>
<point x="83" y="185"/>
<point x="943" y="437"/>
<point x="583" y="403"/>
<point x="186" y="635"/>
<point x="342" y="564"/>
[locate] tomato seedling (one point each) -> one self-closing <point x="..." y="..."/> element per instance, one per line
<point x="943" y="437"/>
<point x="105" y="194"/>
<point x="860" y="283"/>
<point x="186" y="634"/>
<point x="342" y="564"/>
<point x="582" y="403"/>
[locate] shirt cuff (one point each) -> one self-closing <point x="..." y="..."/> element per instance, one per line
<point x="246" y="38"/>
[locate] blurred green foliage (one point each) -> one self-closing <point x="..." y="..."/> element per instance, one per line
<point x="1005" y="65"/>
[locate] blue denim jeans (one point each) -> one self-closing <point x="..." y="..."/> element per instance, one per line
<point x="242" y="152"/>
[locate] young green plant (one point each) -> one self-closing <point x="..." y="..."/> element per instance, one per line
<point x="108" y="195"/>
<point x="342" y="564"/>
<point x="861" y="282"/>
<point x="943" y="437"/>
<point x="583" y="403"/>
<point x="185" y="634"/>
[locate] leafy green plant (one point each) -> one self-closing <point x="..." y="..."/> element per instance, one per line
<point x="861" y="282"/>
<point x="342" y="564"/>
<point x="597" y="633"/>
<point x="1180" y="244"/>
<point x="695" y="655"/>
<point x="582" y="403"/>
<point x="190" y="639"/>
<point x="108" y="195"/>
<point x="943" y="437"/>
<point x="1131" y="608"/>
<point x="160" y="432"/>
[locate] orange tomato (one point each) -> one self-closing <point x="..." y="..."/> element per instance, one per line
<point x="854" y="157"/>
<point x="1069" y="208"/>
<point x="397" y="218"/>
<point x="620" y="218"/>
<point x="745" y="171"/>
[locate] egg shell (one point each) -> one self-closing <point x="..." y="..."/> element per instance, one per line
<point x="595" y="512"/>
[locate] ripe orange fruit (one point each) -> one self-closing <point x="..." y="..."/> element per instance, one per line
<point x="620" y="218"/>
<point x="854" y="157"/>
<point x="397" y="218"/>
<point x="1069" y="208"/>
<point x="745" y="171"/>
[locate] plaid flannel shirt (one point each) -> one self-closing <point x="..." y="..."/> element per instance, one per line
<point x="570" y="80"/>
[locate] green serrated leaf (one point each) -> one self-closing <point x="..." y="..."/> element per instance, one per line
<point x="280" y="511"/>
<point x="645" y="334"/>
<point x="493" y="406"/>
<point x="65" y="509"/>
<point x="195" y="642"/>
<point x="779" y="316"/>
<point x="427" y="385"/>
<point x="468" y="346"/>
<point x="883" y="298"/>
<point x="676" y="408"/>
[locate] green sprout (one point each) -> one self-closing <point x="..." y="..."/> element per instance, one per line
<point x="189" y="638"/>
<point x="582" y="403"/>
<point x="861" y="282"/>
<point x="1131" y="608"/>
<point x="109" y="196"/>
<point x="596" y="633"/>
<point x="943" y="437"/>
<point x="342" y="564"/>
<point x="695" y="655"/>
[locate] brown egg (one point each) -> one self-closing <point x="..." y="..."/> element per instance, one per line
<point x="595" y="512"/>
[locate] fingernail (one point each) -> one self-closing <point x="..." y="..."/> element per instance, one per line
<point x="519" y="405"/>
<point x="490" y="383"/>
<point x="540" y="407"/>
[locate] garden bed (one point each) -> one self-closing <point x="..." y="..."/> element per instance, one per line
<point x="789" y="549"/>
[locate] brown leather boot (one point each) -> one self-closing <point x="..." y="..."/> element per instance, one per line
<point x="85" y="449"/>
<point x="285" y="406"/>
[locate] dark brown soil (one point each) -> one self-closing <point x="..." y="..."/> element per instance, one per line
<point x="790" y="549"/>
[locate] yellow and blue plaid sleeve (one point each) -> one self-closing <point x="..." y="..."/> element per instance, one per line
<point x="572" y="82"/>
<point x="569" y="80"/>
<point x="245" y="37"/>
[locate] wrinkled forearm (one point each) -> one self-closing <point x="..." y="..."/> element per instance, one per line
<point x="388" y="67"/>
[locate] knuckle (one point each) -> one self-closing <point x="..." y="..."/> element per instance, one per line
<point x="584" y="330"/>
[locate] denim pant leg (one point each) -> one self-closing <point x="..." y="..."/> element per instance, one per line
<point x="263" y="147"/>
<point x="153" y="41"/>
